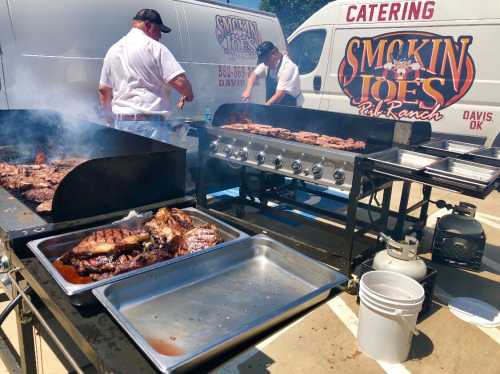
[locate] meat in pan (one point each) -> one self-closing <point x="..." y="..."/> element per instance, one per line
<point x="170" y="233"/>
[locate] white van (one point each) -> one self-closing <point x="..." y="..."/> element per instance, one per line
<point x="415" y="59"/>
<point x="52" y="51"/>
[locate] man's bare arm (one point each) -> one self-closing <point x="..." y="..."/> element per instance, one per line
<point x="276" y="97"/>
<point x="183" y="86"/>
<point x="105" y="98"/>
<point x="245" y="96"/>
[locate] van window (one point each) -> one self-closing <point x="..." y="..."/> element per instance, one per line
<point x="306" y="49"/>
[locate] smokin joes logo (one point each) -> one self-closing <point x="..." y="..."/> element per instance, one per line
<point x="237" y="36"/>
<point x="406" y="75"/>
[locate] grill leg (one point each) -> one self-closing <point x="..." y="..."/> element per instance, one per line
<point x="240" y="206"/>
<point x="352" y="209"/>
<point x="403" y="206"/>
<point x="426" y="196"/>
<point x="386" y="202"/>
<point x="25" y="336"/>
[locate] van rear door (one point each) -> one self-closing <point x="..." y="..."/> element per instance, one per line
<point x="309" y="50"/>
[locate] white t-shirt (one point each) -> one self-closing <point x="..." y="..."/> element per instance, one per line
<point x="288" y="76"/>
<point x="138" y="69"/>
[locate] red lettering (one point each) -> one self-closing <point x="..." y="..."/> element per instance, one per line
<point x="405" y="10"/>
<point x="382" y="12"/>
<point x="393" y="12"/>
<point x="466" y="114"/>
<point x="414" y="12"/>
<point x="476" y="125"/>
<point x="350" y="18"/>
<point x="362" y="14"/>
<point x="489" y="117"/>
<point x="372" y="10"/>
<point x="428" y="11"/>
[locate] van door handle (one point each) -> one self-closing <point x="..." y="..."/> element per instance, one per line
<point x="317" y="83"/>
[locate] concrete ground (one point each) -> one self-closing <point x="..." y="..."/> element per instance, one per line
<point x="324" y="340"/>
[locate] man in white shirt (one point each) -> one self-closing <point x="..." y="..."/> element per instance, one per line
<point x="281" y="74"/>
<point x="137" y="76"/>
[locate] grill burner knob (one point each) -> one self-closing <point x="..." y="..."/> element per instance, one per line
<point x="261" y="157"/>
<point x="339" y="176"/>
<point x="317" y="170"/>
<point x="297" y="166"/>
<point x="278" y="162"/>
<point x="214" y="146"/>
<point x="243" y="154"/>
<point x="228" y="150"/>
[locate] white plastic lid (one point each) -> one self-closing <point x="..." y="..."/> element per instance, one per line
<point x="475" y="311"/>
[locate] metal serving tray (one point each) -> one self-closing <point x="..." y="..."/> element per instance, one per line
<point x="48" y="249"/>
<point x="403" y="161"/>
<point x="465" y="172"/>
<point x="449" y="148"/>
<point x="489" y="156"/>
<point x="201" y="306"/>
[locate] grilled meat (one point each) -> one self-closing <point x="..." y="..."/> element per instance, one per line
<point x="170" y="233"/>
<point x="167" y="224"/>
<point x="107" y="242"/>
<point x="195" y="240"/>
<point x="305" y="137"/>
<point x="44" y="207"/>
<point x="39" y="195"/>
<point x="37" y="181"/>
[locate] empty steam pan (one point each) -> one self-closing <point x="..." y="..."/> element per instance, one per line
<point x="50" y="248"/>
<point x="402" y="161"/>
<point x="449" y="148"/>
<point x="184" y="313"/>
<point x="465" y="172"/>
<point x="489" y="156"/>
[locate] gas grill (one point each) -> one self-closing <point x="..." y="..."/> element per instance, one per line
<point x="309" y="163"/>
<point x="276" y="174"/>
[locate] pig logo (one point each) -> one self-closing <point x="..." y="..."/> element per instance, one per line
<point x="237" y="36"/>
<point x="406" y="75"/>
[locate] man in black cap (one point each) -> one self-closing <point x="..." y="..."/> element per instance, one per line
<point x="281" y="74"/>
<point x="137" y="76"/>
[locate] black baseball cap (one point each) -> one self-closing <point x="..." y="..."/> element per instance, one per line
<point x="152" y="16"/>
<point x="263" y="50"/>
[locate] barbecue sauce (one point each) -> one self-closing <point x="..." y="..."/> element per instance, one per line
<point x="164" y="348"/>
<point x="70" y="274"/>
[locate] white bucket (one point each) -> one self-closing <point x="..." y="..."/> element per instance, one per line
<point x="390" y="303"/>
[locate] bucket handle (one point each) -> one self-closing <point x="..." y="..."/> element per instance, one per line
<point x="397" y="313"/>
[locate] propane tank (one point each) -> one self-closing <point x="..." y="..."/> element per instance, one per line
<point x="401" y="257"/>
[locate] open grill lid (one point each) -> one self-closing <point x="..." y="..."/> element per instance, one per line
<point x="122" y="171"/>
<point x="378" y="133"/>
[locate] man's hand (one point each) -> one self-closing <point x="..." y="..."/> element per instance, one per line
<point x="181" y="102"/>
<point x="245" y="96"/>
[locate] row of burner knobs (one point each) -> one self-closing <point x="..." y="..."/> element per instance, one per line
<point x="260" y="158"/>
